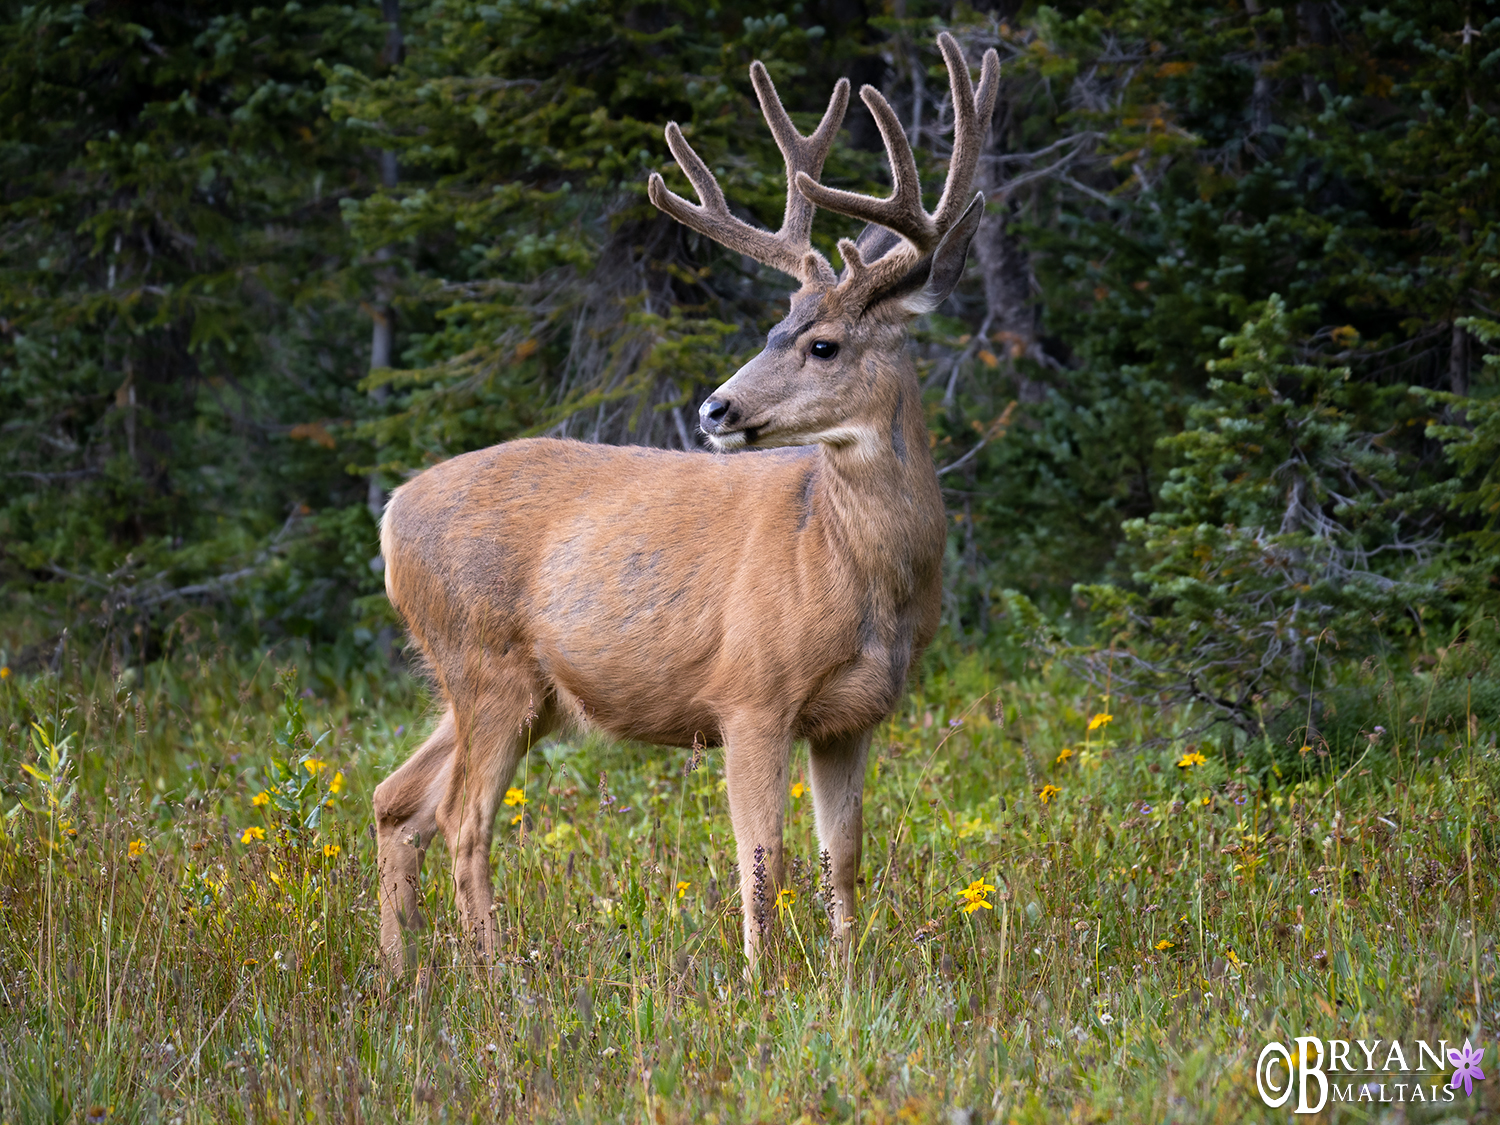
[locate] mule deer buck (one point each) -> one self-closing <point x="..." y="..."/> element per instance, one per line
<point x="748" y="601"/>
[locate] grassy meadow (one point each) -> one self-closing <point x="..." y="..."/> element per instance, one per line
<point x="1074" y="909"/>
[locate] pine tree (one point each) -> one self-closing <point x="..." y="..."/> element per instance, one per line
<point x="174" y="324"/>
<point x="1285" y="533"/>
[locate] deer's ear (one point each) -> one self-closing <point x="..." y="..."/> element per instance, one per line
<point x="929" y="283"/>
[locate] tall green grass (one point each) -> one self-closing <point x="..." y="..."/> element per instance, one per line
<point x="1174" y="903"/>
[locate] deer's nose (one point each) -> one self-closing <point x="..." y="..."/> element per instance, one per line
<point x="712" y="414"/>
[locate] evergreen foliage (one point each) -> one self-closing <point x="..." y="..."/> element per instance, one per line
<point x="1344" y="158"/>
<point x="206" y="207"/>
<point x="176" y="322"/>
<point x="541" y="291"/>
<point x="1472" y="440"/>
<point x="1283" y="536"/>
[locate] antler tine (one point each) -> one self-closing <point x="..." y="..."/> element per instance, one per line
<point x="712" y="217"/>
<point x="790" y="248"/>
<point x="971" y="120"/>
<point x="693" y="215"/>
<point x="903" y="212"/>
<point x="803" y="155"/>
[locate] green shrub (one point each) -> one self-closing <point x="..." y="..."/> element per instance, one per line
<point x="1286" y="535"/>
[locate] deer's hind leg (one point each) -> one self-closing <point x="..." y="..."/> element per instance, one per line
<point x="406" y="805"/>
<point x="502" y="710"/>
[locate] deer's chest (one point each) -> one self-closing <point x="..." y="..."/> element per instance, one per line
<point x="862" y="686"/>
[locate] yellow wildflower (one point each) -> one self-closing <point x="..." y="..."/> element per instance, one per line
<point x="1164" y="944"/>
<point x="682" y="889"/>
<point x="976" y="896"/>
<point x="337" y="784"/>
<point x="785" y="898"/>
<point x="798" y="789"/>
<point x="314" y="765"/>
<point x="4" y="673"/>
<point x="330" y="850"/>
<point x="1190" y="759"/>
<point x="967" y="828"/>
<point x="1100" y="720"/>
<point x="1063" y="755"/>
<point x="254" y="832"/>
<point x="515" y="798"/>
<point x="1305" y="750"/>
<point x="261" y="798"/>
<point x="137" y="848"/>
<point x="1048" y="792"/>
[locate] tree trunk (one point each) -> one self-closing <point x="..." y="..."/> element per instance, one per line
<point x="1010" y="314"/>
<point x="1315" y="34"/>
<point x="1458" y="345"/>
<point x="1458" y="361"/>
<point x="382" y="333"/>
<point x="1262" y="93"/>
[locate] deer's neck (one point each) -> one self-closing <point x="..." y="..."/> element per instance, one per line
<point x="880" y="494"/>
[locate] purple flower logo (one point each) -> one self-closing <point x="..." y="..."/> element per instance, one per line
<point x="1467" y="1061"/>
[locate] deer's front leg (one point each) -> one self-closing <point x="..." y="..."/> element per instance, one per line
<point x="406" y="805"/>
<point x="836" y="767"/>
<point x="755" y="767"/>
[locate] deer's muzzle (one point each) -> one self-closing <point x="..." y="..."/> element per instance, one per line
<point x="717" y="415"/>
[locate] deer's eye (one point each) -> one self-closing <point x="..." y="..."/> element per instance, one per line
<point x="824" y="349"/>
